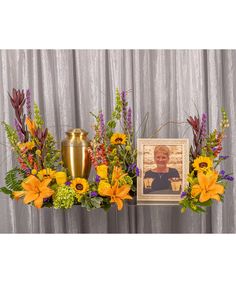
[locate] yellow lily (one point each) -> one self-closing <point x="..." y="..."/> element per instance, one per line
<point x="34" y="190"/>
<point x="207" y="187"/>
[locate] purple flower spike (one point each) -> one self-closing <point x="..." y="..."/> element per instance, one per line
<point x="224" y="157"/>
<point x="204" y="126"/>
<point x="132" y="167"/>
<point x="137" y="171"/>
<point x="124" y="109"/>
<point x="183" y="194"/>
<point x="129" y="120"/>
<point x="68" y="183"/>
<point x="93" y="194"/>
<point x="222" y="172"/>
<point x="97" y="179"/>
<point x="229" y="178"/>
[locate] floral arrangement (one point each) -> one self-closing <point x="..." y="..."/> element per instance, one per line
<point x="39" y="173"/>
<point x="41" y="179"/>
<point x="205" y="182"/>
<point x="40" y="176"/>
<point x="114" y="155"/>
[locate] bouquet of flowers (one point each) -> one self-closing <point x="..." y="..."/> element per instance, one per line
<point x="39" y="173"/>
<point x="40" y="176"/>
<point x="114" y="155"/>
<point x="42" y="180"/>
<point x="205" y="181"/>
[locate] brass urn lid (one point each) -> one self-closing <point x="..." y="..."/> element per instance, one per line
<point x="76" y="132"/>
<point x="76" y="137"/>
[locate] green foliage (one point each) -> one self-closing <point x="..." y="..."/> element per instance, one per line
<point x="11" y="135"/>
<point x="90" y="203"/>
<point x="52" y="157"/>
<point x="106" y="204"/>
<point x="13" y="180"/>
<point x="37" y="117"/>
<point x="115" y="116"/>
<point x="64" y="197"/>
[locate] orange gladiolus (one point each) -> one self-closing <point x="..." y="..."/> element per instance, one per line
<point x="35" y="191"/>
<point x="31" y="126"/>
<point x="116" y="193"/>
<point x="207" y="187"/>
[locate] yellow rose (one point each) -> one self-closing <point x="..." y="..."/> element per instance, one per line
<point x="61" y="178"/>
<point x="102" y="171"/>
<point x="103" y="187"/>
<point x="33" y="172"/>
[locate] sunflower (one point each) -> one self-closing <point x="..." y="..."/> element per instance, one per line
<point x="118" y="138"/>
<point x="80" y="185"/>
<point x="202" y="164"/>
<point x="46" y="173"/>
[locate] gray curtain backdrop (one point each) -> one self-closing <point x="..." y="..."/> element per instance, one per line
<point x="167" y="84"/>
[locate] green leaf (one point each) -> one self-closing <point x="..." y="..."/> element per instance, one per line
<point x="106" y="206"/>
<point x="95" y="203"/>
<point x="199" y="209"/>
<point x="5" y="191"/>
<point x="14" y="178"/>
<point x="206" y="203"/>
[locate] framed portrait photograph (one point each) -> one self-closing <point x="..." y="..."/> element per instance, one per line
<point x="164" y="165"/>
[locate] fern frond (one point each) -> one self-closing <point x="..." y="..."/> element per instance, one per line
<point x="14" y="178"/>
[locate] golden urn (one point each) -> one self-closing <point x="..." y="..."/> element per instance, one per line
<point x="74" y="150"/>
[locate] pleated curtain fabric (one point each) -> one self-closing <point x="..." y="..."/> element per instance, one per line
<point x="169" y="85"/>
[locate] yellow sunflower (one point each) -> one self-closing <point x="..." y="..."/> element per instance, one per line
<point x="80" y="185"/>
<point x="118" y="138"/>
<point x="202" y="164"/>
<point x="46" y="173"/>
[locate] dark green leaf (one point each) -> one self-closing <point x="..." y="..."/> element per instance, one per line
<point x="5" y="191"/>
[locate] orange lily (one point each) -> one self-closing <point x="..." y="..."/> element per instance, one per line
<point x="207" y="187"/>
<point x="31" y="126"/>
<point x="34" y="190"/>
<point x="117" y="174"/>
<point x="117" y="194"/>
